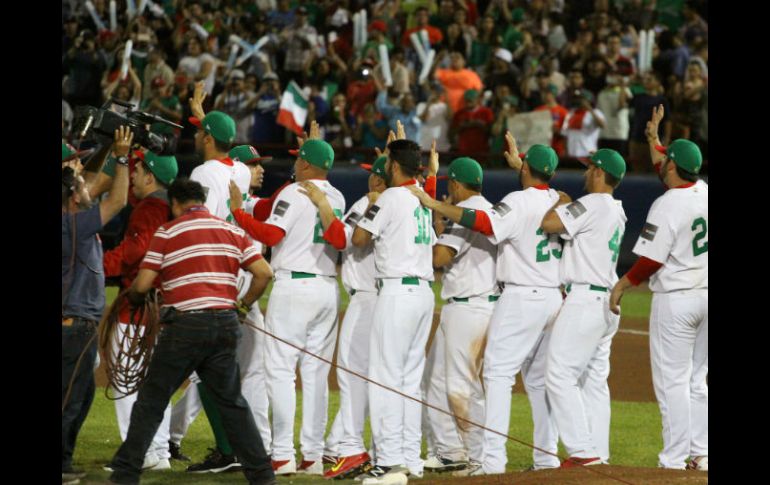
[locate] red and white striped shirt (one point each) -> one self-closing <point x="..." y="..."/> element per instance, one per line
<point x="198" y="256"/>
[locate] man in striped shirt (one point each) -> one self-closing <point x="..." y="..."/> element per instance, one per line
<point x="197" y="257"/>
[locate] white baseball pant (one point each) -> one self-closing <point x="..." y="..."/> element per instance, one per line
<point x="577" y="370"/>
<point x="514" y="342"/>
<point x="125" y="404"/>
<point x="302" y="311"/>
<point x="679" y="334"/>
<point x="402" y="320"/>
<point x="455" y="381"/>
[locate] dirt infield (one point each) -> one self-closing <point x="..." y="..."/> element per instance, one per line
<point x="633" y="475"/>
<point x="630" y="376"/>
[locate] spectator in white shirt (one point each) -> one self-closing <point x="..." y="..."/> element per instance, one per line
<point x="582" y="125"/>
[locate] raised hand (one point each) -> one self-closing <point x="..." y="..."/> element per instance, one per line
<point x="433" y="160"/>
<point x="400" y="133"/>
<point x="315" y="130"/>
<point x="512" y="152"/>
<point x="652" y="126"/>
<point x="196" y="102"/>
<point x="123" y="139"/>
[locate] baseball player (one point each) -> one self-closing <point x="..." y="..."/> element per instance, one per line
<point x="673" y="254"/>
<point x="471" y="290"/>
<point x="517" y="339"/>
<point x="150" y="179"/>
<point x="578" y="361"/>
<point x="401" y="231"/>
<point x="346" y="437"/>
<point x="302" y="308"/>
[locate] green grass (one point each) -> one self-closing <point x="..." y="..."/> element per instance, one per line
<point x="635" y="441"/>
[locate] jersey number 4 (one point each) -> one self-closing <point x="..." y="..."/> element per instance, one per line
<point x="699" y="245"/>
<point x="422" y="215"/>
<point x="318" y="231"/>
<point x="614" y="244"/>
<point x="543" y="254"/>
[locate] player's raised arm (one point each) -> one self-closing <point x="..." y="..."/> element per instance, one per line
<point x="334" y="229"/>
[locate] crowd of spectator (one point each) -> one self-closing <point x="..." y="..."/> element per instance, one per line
<point x="493" y="59"/>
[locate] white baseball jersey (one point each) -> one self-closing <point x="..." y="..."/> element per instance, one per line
<point x="526" y="256"/>
<point x="676" y="234"/>
<point x="357" y="263"/>
<point x="402" y="231"/>
<point x="215" y="176"/>
<point x="303" y="248"/>
<point x="249" y="202"/>
<point x="472" y="272"/>
<point x="594" y="225"/>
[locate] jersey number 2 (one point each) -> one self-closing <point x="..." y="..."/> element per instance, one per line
<point x="543" y="254"/>
<point x="699" y="246"/>
<point x="318" y="231"/>
<point x="422" y="215"/>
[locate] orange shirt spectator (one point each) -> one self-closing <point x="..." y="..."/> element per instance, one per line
<point x="457" y="80"/>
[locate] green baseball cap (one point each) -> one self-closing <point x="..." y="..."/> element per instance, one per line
<point x="466" y="170"/>
<point x="553" y="89"/>
<point x="318" y="153"/>
<point x="217" y="124"/>
<point x="610" y="161"/>
<point x="164" y="168"/>
<point x="378" y="167"/>
<point x="247" y="154"/>
<point x="542" y="158"/>
<point x="517" y="15"/>
<point x="684" y="153"/>
<point x="471" y="94"/>
<point x="68" y="152"/>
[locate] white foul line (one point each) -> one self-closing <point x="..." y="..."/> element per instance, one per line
<point x="633" y="332"/>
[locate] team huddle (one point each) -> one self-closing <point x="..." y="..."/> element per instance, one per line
<point x="529" y="285"/>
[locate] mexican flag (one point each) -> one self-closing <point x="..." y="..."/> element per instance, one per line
<point x="293" y="111"/>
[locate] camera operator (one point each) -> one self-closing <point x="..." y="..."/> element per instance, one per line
<point x="83" y="290"/>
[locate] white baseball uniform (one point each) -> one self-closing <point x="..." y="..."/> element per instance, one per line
<point x="517" y="340"/>
<point x="302" y="309"/>
<point x="402" y="233"/>
<point x="346" y="436"/>
<point x="579" y="350"/>
<point x="454" y="380"/>
<point x="676" y="235"/>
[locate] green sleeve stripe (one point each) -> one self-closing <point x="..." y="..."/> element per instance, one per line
<point x="468" y="218"/>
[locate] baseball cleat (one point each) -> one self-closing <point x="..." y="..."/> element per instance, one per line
<point x="311" y="467"/>
<point x="330" y="459"/>
<point x="473" y="468"/>
<point x="393" y="476"/>
<point x="72" y="474"/>
<point x="284" y="467"/>
<point x="575" y="461"/>
<point x="439" y="464"/>
<point x="215" y="462"/>
<point x="700" y="463"/>
<point x="348" y="465"/>
<point x="176" y="452"/>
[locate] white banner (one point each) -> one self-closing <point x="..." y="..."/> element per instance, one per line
<point x="530" y="129"/>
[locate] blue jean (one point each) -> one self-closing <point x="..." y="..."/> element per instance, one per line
<point x="74" y="340"/>
<point x="206" y="343"/>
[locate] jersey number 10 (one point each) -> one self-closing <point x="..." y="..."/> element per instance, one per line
<point x="422" y="215"/>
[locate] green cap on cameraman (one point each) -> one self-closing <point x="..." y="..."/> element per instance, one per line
<point x="217" y="124"/>
<point x="685" y="155"/>
<point x="466" y="170"/>
<point x="610" y="161"/>
<point x="542" y="158"/>
<point x="317" y="153"/>
<point x="164" y="168"/>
